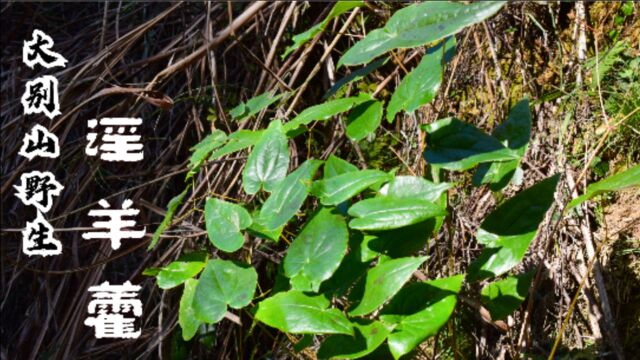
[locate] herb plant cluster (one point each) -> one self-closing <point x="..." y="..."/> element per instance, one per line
<point x="347" y="274"/>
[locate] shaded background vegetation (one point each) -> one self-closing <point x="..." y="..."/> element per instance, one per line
<point x="200" y="68"/>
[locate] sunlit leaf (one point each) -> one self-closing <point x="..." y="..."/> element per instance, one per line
<point x="383" y="281"/>
<point x="414" y="187"/>
<point x="268" y="163"/>
<point x="202" y="150"/>
<point x="186" y="267"/>
<point x="364" y="119"/>
<point x="186" y="314"/>
<point x="295" y="312"/>
<point x="336" y="166"/>
<point x="324" y="111"/>
<point x="385" y="213"/>
<point x="223" y="283"/>
<point x="338" y="9"/>
<point x="237" y="141"/>
<point x="224" y="220"/>
<point x="317" y="251"/>
<point x="260" y="230"/>
<point x="336" y="189"/>
<point x="253" y="106"/>
<point x="421" y="85"/>
<point x="168" y="217"/>
<point x="419" y="24"/>
<point x="620" y="181"/>
<point x="288" y="197"/>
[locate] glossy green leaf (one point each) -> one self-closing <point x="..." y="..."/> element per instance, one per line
<point x="202" y="150"/>
<point x="513" y="134"/>
<point x="385" y="213"/>
<point x="355" y="76"/>
<point x="364" y="119"/>
<point x="415" y="187"/>
<point x="420" y="310"/>
<point x="288" y="197"/>
<point x="297" y="313"/>
<point x="626" y="179"/>
<point x="455" y="145"/>
<point x="237" y="141"/>
<point x="186" y="314"/>
<point x="268" y="163"/>
<point x="509" y="229"/>
<point x="168" y="217"/>
<point x="339" y="188"/>
<point x="224" y="220"/>
<point x="335" y="166"/>
<point x="504" y="296"/>
<point x="324" y="111"/>
<point x="253" y="106"/>
<point x="186" y="267"/>
<point x="338" y="9"/>
<point x="223" y="283"/>
<point x="409" y="239"/>
<point x="421" y="85"/>
<point x="317" y="251"/>
<point x="385" y="280"/>
<point x="417" y="25"/>
<point x="367" y="337"/>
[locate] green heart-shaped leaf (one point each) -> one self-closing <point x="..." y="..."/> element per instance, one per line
<point x="317" y="251"/>
<point x="364" y="119"/>
<point x="268" y="163"/>
<point x="224" y="220"/>
<point x="223" y="283"/>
